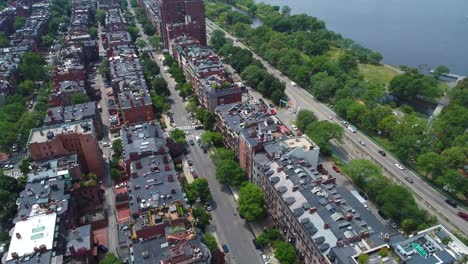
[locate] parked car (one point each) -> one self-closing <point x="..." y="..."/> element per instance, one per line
<point x="194" y="175"/>
<point x="294" y="127"/>
<point x="452" y="203"/>
<point x="392" y="224"/>
<point x="398" y="165"/>
<point x="335" y="168"/>
<point x="208" y="207"/>
<point x="463" y="215"/>
<point x="190" y="162"/>
<point x="408" y="179"/>
<point x="192" y="143"/>
<point x="121" y="185"/>
<point x="199" y="127"/>
<point x="264" y="257"/>
<point x="103" y="248"/>
<point x="225" y="248"/>
<point x="106" y="144"/>
<point x="257" y="246"/>
<point x="381" y="152"/>
<point x="362" y="142"/>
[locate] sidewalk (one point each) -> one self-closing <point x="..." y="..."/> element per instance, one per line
<point x="257" y="229"/>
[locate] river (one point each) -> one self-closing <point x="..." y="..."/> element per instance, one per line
<point x="417" y="33"/>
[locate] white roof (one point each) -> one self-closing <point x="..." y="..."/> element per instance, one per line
<point x="31" y="233"/>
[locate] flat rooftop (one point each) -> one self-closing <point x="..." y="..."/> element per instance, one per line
<point x="33" y="233"/>
<point x="44" y="134"/>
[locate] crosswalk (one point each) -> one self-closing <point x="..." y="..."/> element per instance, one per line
<point x="15" y="174"/>
<point x="185" y="127"/>
<point x="191" y="136"/>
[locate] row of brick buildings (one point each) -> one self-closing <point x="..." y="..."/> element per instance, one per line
<point x="70" y="74"/>
<point x="129" y="89"/>
<point x="151" y="206"/>
<point x="174" y="18"/>
<point x="60" y="211"/>
<point x="27" y="38"/>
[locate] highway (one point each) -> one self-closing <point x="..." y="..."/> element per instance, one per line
<point x="425" y="195"/>
<point x="229" y="227"/>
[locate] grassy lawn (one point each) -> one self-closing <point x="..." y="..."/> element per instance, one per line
<point x="377" y="73"/>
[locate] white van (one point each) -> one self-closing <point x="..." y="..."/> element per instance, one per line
<point x="293" y="84"/>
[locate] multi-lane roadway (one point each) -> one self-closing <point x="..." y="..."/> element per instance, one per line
<point x="425" y="195"/>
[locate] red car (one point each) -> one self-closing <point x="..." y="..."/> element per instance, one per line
<point x="195" y="175"/>
<point x="463" y="215"/>
<point x="335" y="168"/>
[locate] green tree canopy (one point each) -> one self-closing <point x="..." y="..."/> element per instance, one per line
<point x="19" y="22"/>
<point x="251" y="202"/>
<point x="198" y="189"/>
<point x="305" y="118"/>
<point x="229" y="172"/>
<point x="110" y="258"/>
<point x="178" y="136"/>
<point x="285" y="253"/>
<point x="79" y="98"/>
<point x="321" y="132"/>
<point x="32" y="67"/>
<point x="117" y="147"/>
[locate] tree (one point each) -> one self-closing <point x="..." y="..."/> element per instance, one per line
<point x="160" y="103"/>
<point x="104" y="68"/>
<point x="115" y="174"/>
<point x="285" y="253"/>
<point x="430" y="162"/>
<point x="218" y="39"/>
<point x="148" y="29"/>
<point x="323" y="86"/>
<point x="47" y="40"/>
<point x="159" y="86"/>
<point x="209" y="137"/>
<point x="134" y="31"/>
<point x="210" y="242"/>
<point x="321" y="132"/>
<point x="347" y="62"/>
<point x="117" y="147"/>
<point x="454" y="157"/>
<point x="154" y="41"/>
<point x="19" y="22"/>
<point x="32" y="67"/>
<point x="93" y="32"/>
<point x="110" y="258"/>
<point x="305" y="118"/>
<point x="79" y="98"/>
<point x="286" y="10"/>
<point x="251" y="202"/>
<point x="229" y="172"/>
<point x="375" y="58"/>
<point x="26" y="88"/>
<point x="268" y="237"/>
<point x="140" y="43"/>
<point x="4" y="42"/>
<point x="25" y="164"/>
<point x="198" y="189"/>
<point x="363" y="258"/>
<point x="202" y="216"/>
<point x="441" y="69"/>
<point x="221" y="153"/>
<point x="101" y="17"/>
<point x="363" y="171"/>
<point x="383" y="252"/>
<point x="178" y="136"/>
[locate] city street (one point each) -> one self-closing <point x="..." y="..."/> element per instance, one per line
<point x="229" y="227"/>
<point x="425" y="195"/>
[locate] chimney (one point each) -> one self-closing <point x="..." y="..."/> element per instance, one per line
<point x="18" y="235"/>
<point x="49" y="112"/>
<point x="325" y="226"/>
<point x="287" y="177"/>
<point x="279" y="169"/>
<point x="312" y="210"/>
<point x="14" y="255"/>
<point x="295" y="188"/>
<point x="349" y="217"/>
